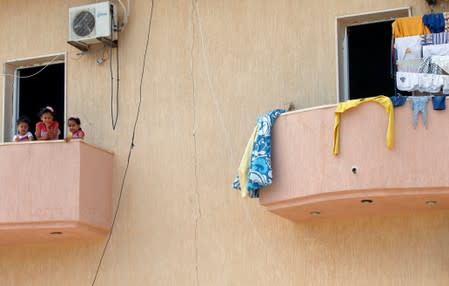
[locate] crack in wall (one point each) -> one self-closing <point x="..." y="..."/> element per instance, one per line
<point x="195" y="144"/>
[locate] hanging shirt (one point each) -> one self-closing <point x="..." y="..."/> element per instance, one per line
<point x="44" y="130"/>
<point x="434" y="21"/>
<point x="347" y="105"/>
<point x="409" y="26"/>
<point x="435" y="39"/>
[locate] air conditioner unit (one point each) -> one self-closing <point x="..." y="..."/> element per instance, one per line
<point x="91" y="24"/>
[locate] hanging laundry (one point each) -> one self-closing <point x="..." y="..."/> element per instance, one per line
<point x="435" y="22"/>
<point x="409" y="26"/>
<point x="435" y="39"/>
<point x="258" y="167"/>
<point x="408" y="47"/>
<point x="241" y="181"/>
<point x="419" y="105"/>
<point x="446" y="21"/>
<point x="347" y="105"/>
<point x="435" y="50"/>
<point x="439" y="102"/>
<point x="445" y="84"/>
<point x="398" y="100"/>
<point x="427" y="66"/>
<point x="442" y="62"/>
<point x="406" y="81"/>
<point x="409" y="65"/>
<point x="423" y="82"/>
<point x="430" y="82"/>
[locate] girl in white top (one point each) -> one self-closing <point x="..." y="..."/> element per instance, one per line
<point x="23" y="124"/>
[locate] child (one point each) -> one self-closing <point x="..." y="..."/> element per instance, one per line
<point x="48" y="128"/>
<point x="76" y="132"/>
<point x="23" y="124"/>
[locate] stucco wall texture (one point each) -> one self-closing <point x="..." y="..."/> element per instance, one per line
<point x="209" y="73"/>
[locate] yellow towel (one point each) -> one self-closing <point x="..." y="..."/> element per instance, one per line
<point x="245" y="164"/>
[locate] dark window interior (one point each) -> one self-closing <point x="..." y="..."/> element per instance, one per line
<point x="44" y="89"/>
<point x="369" y="48"/>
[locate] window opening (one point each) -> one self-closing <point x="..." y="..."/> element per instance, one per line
<point x="44" y="89"/>
<point x="29" y="85"/>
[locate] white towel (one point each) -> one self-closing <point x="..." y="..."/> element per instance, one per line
<point x="407" y="81"/>
<point x="408" y="47"/>
<point x="442" y="62"/>
<point x="436" y="50"/>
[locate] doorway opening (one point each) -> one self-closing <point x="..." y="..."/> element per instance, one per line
<point x="364" y="53"/>
<point x="369" y="60"/>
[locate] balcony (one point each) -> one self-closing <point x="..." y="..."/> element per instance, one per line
<point x="366" y="178"/>
<point x="54" y="190"/>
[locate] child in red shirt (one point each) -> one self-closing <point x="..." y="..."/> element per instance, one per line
<point x="47" y="128"/>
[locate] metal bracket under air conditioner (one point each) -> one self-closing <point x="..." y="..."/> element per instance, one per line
<point x="85" y="47"/>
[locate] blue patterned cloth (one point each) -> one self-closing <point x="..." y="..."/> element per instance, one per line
<point x="260" y="173"/>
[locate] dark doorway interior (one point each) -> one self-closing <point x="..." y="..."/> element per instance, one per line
<point x="369" y="50"/>
<point x="44" y="89"/>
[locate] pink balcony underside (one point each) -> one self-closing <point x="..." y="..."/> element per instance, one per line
<point x="54" y="187"/>
<point x="308" y="178"/>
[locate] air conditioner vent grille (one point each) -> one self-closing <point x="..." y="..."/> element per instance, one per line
<point x="84" y="23"/>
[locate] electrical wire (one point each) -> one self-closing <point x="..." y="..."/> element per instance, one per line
<point x="114" y="117"/>
<point x="34" y="74"/>
<point x="130" y="147"/>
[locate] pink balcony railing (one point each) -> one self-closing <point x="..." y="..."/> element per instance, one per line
<point x="366" y="178"/>
<point x="54" y="190"/>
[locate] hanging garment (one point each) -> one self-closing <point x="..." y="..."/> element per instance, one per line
<point x="439" y="102"/>
<point x="442" y="62"/>
<point x="409" y="26"/>
<point x="430" y="82"/>
<point x="347" y="105"/>
<point x="427" y="66"/>
<point x="409" y="65"/>
<point x="435" y="39"/>
<point x="241" y="182"/>
<point x="259" y="171"/>
<point x="398" y="100"/>
<point x="419" y="104"/>
<point x="446" y="21"/>
<point x="434" y="21"/>
<point x="445" y="84"/>
<point x="408" y="47"/>
<point x="407" y="81"/>
<point x="435" y="50"/>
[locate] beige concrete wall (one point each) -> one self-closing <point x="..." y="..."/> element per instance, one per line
<point x="180" y="223"/>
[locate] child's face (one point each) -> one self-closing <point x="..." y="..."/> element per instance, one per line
<point x="47" y="118"/>
<point x="73" y="126"/>
<point x="22" y="128"/>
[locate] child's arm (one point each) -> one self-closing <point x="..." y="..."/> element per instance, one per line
<point x="38" y="134"/>
<point x="53" y="132"/>
<point x="81" y="134"/>
<point x="30" y="136"/>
